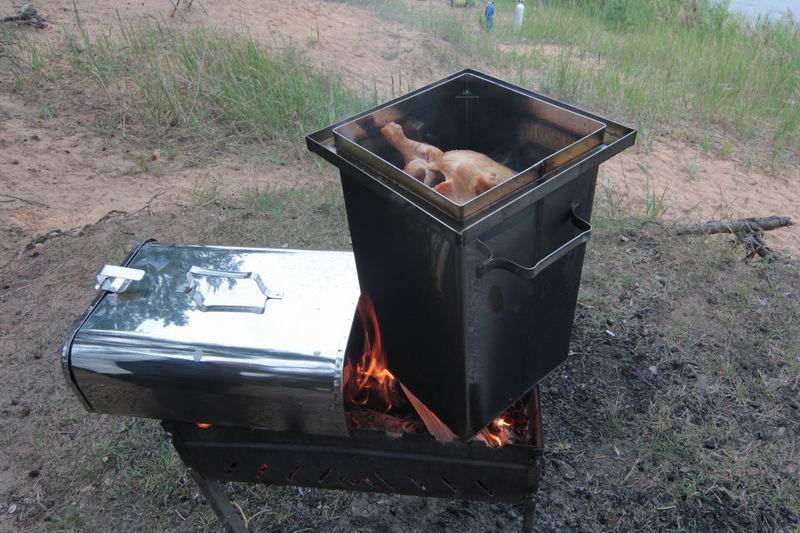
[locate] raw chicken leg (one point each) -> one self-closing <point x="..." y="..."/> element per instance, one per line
<point x="459" y="175"/>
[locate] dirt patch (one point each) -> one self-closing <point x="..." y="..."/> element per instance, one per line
<point x="369" y="51"/>
<point x="699" y="187"/>
<point x="59" y="174"/>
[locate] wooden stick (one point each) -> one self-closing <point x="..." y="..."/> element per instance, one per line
<point x="32" y="202"/>
<point x="435" y="426"/>
<point x="27" y="13"/>
<point x="756" y="246"/>
<point x="741" y="225"/>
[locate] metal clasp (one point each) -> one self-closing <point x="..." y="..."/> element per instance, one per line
<point x="114" y="278"/>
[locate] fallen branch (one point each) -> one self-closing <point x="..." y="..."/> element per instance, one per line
<point x="32" y="202"/>
<point x="754" y="242"/>
<point x="741" y="225"/>
<point x="27" y="13"/>
<point x="749" y="233"/>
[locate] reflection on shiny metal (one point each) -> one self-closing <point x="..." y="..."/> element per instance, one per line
<point x="115" y="278"/>
<point x="152" y="352"/>
<point x="194" y="290"/>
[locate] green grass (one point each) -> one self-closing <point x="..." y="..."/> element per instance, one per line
<point x="651" y="63"/>
<point x="324" y="199"/>
<point x="148" y="465"/>
<point x="70" y="520"/>
<point x="198" y="85"/>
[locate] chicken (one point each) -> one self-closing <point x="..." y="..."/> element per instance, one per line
<point x="459" y="175"/>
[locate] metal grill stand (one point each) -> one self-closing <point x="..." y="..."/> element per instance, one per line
<point x="366" y="461"/>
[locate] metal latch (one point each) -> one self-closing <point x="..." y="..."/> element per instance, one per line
<point x="114" y="278"/>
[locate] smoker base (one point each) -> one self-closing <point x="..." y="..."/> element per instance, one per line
<point x="367" y="461"/>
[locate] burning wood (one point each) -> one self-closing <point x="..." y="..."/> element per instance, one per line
<point x="376" y="400"/>
<point x="508" y="428"/>
<point x="367" y="419"/>
<point x="368" y="382"/>
<point x="435" y="427"/>
<point x="459" y="175"/>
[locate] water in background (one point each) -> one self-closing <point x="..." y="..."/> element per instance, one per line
<point x="774" y="9"/>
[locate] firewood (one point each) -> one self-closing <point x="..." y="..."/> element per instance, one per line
<point x="433" y="424"/>
<point x="368" y="419"/>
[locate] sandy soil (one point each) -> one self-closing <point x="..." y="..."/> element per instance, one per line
<point x="90" y="176"/>
<point x="81" y="177"/>
<point x="697" y="188"/>
<point x="57" y="173"/>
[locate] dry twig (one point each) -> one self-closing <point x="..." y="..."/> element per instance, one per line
<point x="749" y="233"/>
<point x="25" y="200"/>
<point x="741" y="225"/>
<point x="27" y="13"/>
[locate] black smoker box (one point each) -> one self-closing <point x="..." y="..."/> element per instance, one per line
<point x="476" y="301"/>
<point x="245" y="337"/>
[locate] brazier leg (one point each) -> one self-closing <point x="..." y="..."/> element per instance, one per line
<point x="228" y="514"/>
<point x="529" y="513"/>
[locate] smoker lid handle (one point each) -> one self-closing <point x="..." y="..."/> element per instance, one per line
<point x="528" y="273"/>
<point x="200" y="301"/>
<point x="114" y="278"/>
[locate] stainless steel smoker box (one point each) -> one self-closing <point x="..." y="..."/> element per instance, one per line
<point x="230" y="336"/>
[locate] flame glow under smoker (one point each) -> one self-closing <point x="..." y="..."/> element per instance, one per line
<point x="370" y="385"/>
<point x="368" y="381"/>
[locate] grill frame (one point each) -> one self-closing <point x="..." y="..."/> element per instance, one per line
<point x="471" y="471"/>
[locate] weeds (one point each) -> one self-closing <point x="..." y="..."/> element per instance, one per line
<point x="205" y="191"/>
<point x="693" y="169"/>
<point x="324" y="199"/>
<point x="271" y="199"/>
<point x="650" y="63"/>
<point x="154" y="473"/>
<point x="70" y="520"/>
<point x="199" y="85"/>
<point x="616" y="208"/>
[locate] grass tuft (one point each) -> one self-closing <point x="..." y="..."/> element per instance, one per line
<point x="198" y="85"/>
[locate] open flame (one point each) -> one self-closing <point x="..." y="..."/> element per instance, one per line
<point x="499" y="433"/>
<point x="368" y="381"/>
<point x="370" y="387"/>
<point x="509" y="427"/>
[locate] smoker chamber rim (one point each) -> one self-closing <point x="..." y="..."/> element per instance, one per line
<point x="617" y="137"/>
<point x="521" y="179"/>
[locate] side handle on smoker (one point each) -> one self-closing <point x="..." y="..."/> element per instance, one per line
<point x="529" y="273"/>
<point x="200" y="301"/>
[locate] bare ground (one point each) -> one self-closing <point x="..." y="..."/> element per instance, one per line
<point x="691" y="182"/>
